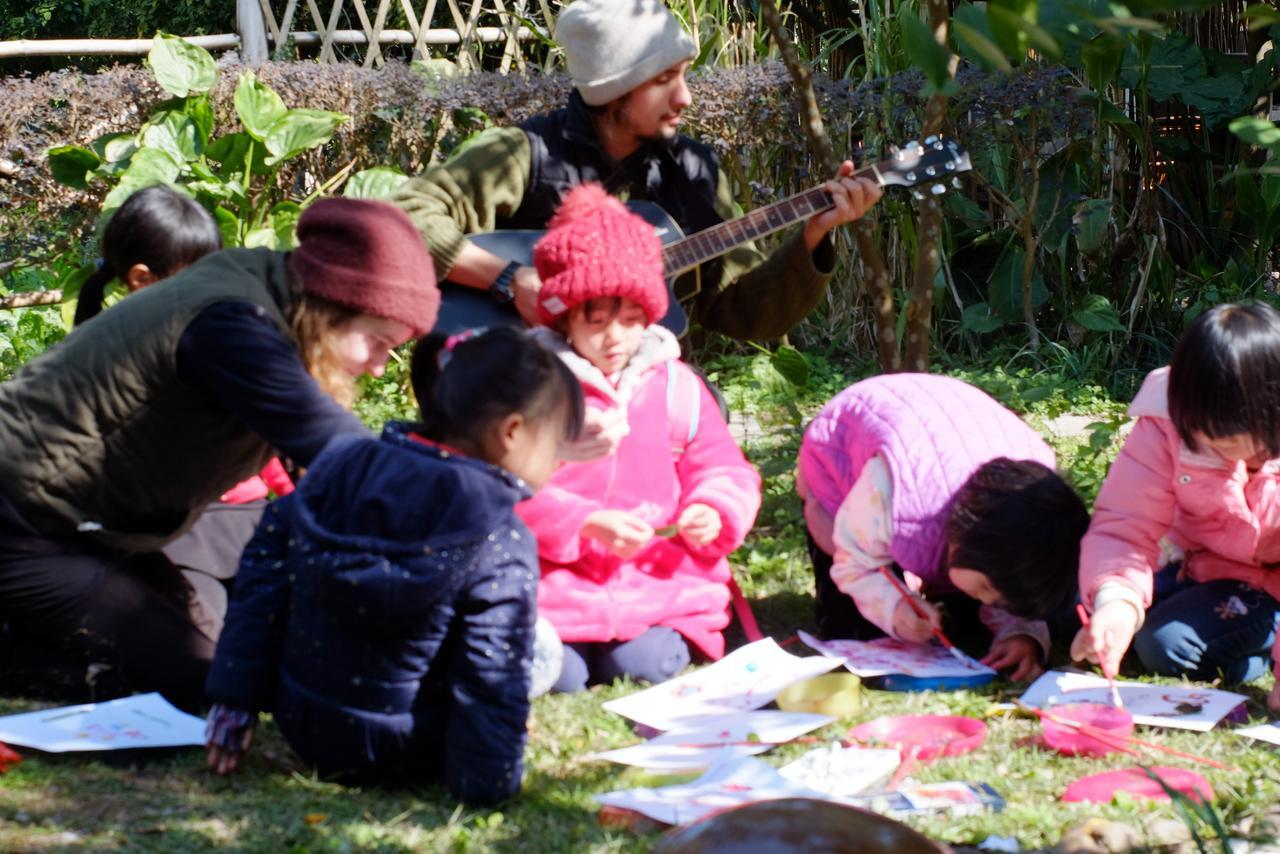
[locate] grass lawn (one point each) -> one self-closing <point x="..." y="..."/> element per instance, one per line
<point x="170" y="802"/>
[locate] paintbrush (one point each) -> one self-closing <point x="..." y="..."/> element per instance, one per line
<point x="1106" y="671"/>
<point x="922" y="614"/>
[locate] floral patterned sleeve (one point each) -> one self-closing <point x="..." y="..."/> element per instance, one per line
<point x="862" y="533"/>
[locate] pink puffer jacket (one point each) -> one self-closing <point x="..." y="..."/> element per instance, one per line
<point x="1225" y="520"/>
<point x="588" y="593"/>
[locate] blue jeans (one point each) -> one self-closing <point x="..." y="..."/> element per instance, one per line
<point x="1206" y="629"/>
<point x="655" y="656"/>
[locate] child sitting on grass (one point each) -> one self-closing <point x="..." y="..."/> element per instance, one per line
<point x="928" y="478"/>
<point x="384" y="612"/>
<point x="625" y="595"/>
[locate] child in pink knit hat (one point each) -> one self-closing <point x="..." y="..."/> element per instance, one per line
<point x="633" y="546"/>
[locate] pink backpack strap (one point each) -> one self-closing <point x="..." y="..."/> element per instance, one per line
<point x="684" y="405"/>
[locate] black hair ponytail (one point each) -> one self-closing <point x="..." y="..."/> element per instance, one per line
<point x="156" y="226"/>
<point x="485" y="377"/>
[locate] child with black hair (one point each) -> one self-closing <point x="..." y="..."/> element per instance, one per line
<point x="1181" y="557"/>
<point x="384" y="612"/>
<point x="928" y="477"/>
<point x="153" y="235"/>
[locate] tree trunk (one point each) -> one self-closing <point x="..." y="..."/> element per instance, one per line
<point x="929" y="222"/>
<point x="27" y="299"/>
<point x="864" y="233"/>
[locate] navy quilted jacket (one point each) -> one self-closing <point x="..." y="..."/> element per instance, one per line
<point x="384" y="613"/>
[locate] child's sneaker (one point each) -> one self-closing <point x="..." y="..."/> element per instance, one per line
<point x="548" y="657"/>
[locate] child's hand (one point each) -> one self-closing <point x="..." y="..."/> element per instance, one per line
<point x="228" y="735"/>
<point x="1108" y="635"/>
<point x="622" y="533"/>
<point x="1020" y="652"/>
<point x="699" y="524"/>
<point x="908" y="626"/>
<point x="1273" y="699"/>
<point x="602" y="431"/>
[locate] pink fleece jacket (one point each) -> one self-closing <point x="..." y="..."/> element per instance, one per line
<point x="1225" y="519"/>
<point x="588" y="593"/>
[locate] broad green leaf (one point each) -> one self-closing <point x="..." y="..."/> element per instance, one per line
<point x="229" y="225"/>
<point x="1004" y="290"/>
<point x="1007" y="20"/>
<point x="230" y="152"/>
<point x="1111" y="114"/>
<point x="71" y="164"/>
<point x="792" y="365"/>
<point x="284" y="222"/>
<point x="299" y="130"/>
<point x="1102" y="56"/>
<point x="260" y="238"/>
<point x="151" y="166"/>
<point x="1091" y="221"/>
<point x="1261" y="16"/>
<point x="198" y="108"/>
<point x="1256" y="131"/>
<point x="115" y="147"/>
<point x="380" y="182"/>
<point x="1175" y="63"/>
<point x="979" y="47"/>
<point x="181" y="67"/>
<point x="175" y="134"/>
<point x="924" y="52"/>
<point x="1098" y="315"/>
<point x="979" y="319"/>
<point x="1025" y="31"/>
<point x="258" y="106"/>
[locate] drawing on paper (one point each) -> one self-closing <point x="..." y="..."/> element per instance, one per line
<point x="888" y="656"/>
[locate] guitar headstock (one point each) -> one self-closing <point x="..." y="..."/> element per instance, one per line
<point x="934" y="162"/>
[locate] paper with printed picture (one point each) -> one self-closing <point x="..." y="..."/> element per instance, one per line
<point x="1178" y="706"/>
<point x="1262" y="732"/>
<point x="745" y="679"/>
<point x="735" y="781"/>
<point x="887" y="656"/>
<point x="145" y="720"/>
<point x="703" y="744"/>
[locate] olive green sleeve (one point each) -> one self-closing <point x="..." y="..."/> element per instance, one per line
<point x="756" y="296"/>
<point x="482" y="181"/>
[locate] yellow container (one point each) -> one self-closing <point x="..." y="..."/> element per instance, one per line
<point x="837" y="694"/>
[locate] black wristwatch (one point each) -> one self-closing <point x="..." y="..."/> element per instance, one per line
<point x="500" y="289"/>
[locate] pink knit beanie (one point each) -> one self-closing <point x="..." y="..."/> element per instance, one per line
<point x="367" y="256"/>
<point x="597" y="248"/>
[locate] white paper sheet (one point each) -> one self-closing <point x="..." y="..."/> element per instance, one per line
<point x="745" y="679"/>
<point x="1262" y="732"/>
<point x="145" y="720"/>
<point x="1178" y="706"/>
<point x="735" y="781"/>
<point x="885" y="656"/>
<point x="673" y="751"/>
<point x="840" y="770"/>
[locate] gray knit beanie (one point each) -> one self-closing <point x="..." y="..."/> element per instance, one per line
<point x="612" y="46"/>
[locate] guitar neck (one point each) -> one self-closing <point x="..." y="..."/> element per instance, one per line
<point x="689" y="252"/>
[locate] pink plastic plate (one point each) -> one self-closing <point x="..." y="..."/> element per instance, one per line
<point x="1101" y="788"/>
<point x="1072" y="742"/>
<point x="924" y="737"/>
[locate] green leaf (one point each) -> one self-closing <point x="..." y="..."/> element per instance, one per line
<point x="148" y="167"/>
<point x="1098" y="315"/>
<point x="284" y="222"/>
<point x="175" y="134"/>
<point x="1091" y="221"/>
<point x="181" y="67"/>
<point x="380" y="182"/>
<point x="229" y="225"/>
<point x="115" y="147"/>
<point x="1261" y="16"/>
<point x="792" y="365"/>
<point x="980" y="47"/>
<point x="1026" y="32"/>
<point x="71" y="164"/>
<point x="1111" y="114"/>
<point x="230" y="151"/>
<point x="923" y="50"/>
<point x="200" y="111"/>
<point x="258" y="106"/>
<point x="1102" y="56"/>
<point x="260" y="238"/>
<point x="977" y="318"/>
<point x="1256" y="131"/>
<point x="1174" y="63"/>
<point x="1004" y="290"/>
<point x="299" y="130"/>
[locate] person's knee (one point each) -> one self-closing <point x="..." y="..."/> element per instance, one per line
<point x="1169" y="649"/>
<point x="573" y="671"/>
<point x="656" y="656"/>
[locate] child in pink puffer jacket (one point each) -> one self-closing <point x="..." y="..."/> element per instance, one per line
<point x="626" y="596"/>
<point x="1180" y="559"/>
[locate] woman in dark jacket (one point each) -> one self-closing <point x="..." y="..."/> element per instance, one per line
<point x="384" y="611"/>
<point x="114" y="441"/>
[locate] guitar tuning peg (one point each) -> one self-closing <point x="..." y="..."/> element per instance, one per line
<point x="930" y="140"/>
<point x="955" y="182"/>
<point x="937" y="145"/>
<point x="917" y="195"/>
<point x="937" y="189"/>
<point x="910" y="144"/>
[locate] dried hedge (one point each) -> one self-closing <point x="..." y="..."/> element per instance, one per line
<point x="404" y="118"/>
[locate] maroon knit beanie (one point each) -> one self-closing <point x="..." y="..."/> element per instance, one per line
<point x="369" y="257"/>
<point x="597" y="248"/>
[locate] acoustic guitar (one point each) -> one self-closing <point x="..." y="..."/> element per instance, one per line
<point x="927" y="166"/>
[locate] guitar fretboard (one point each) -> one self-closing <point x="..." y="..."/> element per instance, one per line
<point x="689" y="252"/>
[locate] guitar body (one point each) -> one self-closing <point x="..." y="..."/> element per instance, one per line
<point x="462" y="307"/>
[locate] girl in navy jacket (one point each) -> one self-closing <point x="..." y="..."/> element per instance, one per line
<point x="384" y="612"/>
